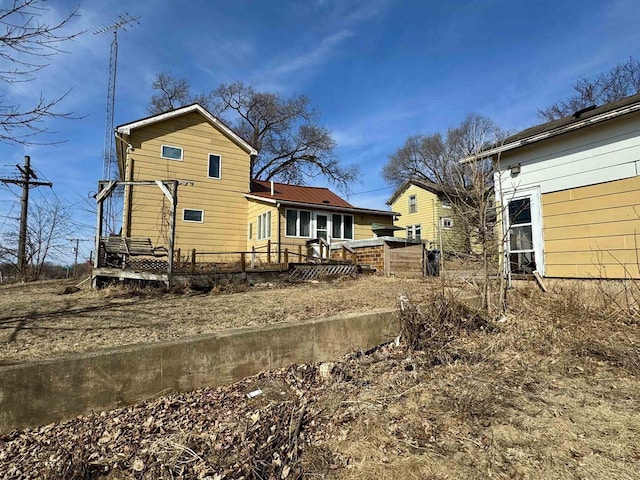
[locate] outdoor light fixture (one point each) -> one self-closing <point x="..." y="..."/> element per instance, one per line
<point x="515" y="170"/>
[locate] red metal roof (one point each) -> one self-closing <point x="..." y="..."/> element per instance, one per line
<point x="296" y="193"/>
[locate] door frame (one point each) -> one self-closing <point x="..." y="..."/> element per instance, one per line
<point x="533" y="193"/>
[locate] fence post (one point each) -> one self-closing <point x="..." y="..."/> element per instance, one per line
<point x="344" y="253"/>
<point x="268" y="252"/>
<point x="253" y="257"/>
<point x="193" y="260"/>
<point x="354" y="257"/>
<point x="243" y="262"/>
<point x="300" y="253"/>
<point x="286" y="257"/>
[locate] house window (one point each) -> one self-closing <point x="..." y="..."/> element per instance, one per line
<point x="447" y="223"/>
<point x="445" y="202"/>
<point x="191" y="215"/>
<point x="413" y="205"/>
<point x="171" y="153"/>
<point x="264" y="225"/>
<point x="298" y="223"/>
<point x="414" y="232"/>
<point x="215" y="164"/>
<point x="522" y="257"/>
<point x="342" y="226"/>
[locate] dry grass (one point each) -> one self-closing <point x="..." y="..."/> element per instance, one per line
<point x="548" y="391"/>
<point x="551" y="392"/>
<point x="37" y="322"/>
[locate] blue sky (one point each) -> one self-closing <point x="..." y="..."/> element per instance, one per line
<point x="378" y="71"/>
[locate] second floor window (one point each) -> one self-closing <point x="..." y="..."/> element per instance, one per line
<point x="171" y="153"/>
<point x="413" y="205"/>
<point x="215" y="166"/>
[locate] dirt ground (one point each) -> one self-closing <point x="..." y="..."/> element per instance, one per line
<point x="550" y="390"/>
<point x="37" y="321"/>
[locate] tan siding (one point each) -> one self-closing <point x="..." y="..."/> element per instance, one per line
<point x="225" y="209"/>
<point x="593" y="231"/>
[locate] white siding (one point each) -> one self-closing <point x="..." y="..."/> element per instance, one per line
<point x="589" y="156"/>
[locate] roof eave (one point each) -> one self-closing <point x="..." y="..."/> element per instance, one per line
<point x="321" y="206"/>
<point x="128" y="127"/>
<point x="610" y="115"/>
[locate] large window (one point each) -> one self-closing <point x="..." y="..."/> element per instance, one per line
<point x="264" y="225"/>
<point x="171" y="153"/>
<point x="342" y="226"/>
<point x="298" y="223"/>
<point x="521" y="249"/>
<point x="413" y="204"/>
<point x="192" y="215"/>
<point x="215" y="166"/>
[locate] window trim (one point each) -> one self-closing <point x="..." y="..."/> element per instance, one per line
<point x="443" y="220"/>
<point x="286" y="220"/>
<point x="170" y="158"/>
<point x="342" y="217"/>
<point x="413" y="208"/>
<point x="219" y="177"/>
<point x="410" y="231"/>
<point x="264" y="227"/>
<point x="193" y="210"/>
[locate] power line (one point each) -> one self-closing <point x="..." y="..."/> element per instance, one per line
<point x="370" y="191"/>
<point x="25" y="182"/>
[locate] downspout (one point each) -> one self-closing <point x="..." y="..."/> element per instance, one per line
<point x="279" y="229"/>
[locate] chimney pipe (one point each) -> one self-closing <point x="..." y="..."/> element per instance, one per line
<point x="272" y="191"/>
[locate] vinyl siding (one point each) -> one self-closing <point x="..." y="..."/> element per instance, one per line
<point x="593" y="231"/>
<point x="225" y="209"/>
<point x="588" y="156"/>
<point x="428" y="214"/>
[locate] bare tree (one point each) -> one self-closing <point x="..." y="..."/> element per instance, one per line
<point x="619" y="82"/>
<point x="26" y="47"/>
<point x="50" y="226"/>
<point x="173" y="93"/>
<point x="292" y="147"/>
<point x="436" y="158"/>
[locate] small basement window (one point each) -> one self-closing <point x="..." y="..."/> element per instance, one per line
<point x="192" y="215"/>
<point x="171" y="153"/>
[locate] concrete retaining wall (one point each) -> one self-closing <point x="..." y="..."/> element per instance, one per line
<point x="43" y="392"/>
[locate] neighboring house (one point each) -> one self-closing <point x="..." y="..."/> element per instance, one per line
<point x="219" y="208"/>
<point x="427" y="214"/>
<point x="292" y="215"/>
<point x="571" y="188"/>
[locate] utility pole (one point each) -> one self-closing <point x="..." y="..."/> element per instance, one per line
<point x="75" y="261"/>
<point x="25" y="182"/>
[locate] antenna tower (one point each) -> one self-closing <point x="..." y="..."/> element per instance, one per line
<point x="108" y="159"/>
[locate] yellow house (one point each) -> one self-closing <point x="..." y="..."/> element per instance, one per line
<point x="426" y="214"/>
<point x="292" y="216"/>
<point x="571" y="191"/>
<point x="219" y="208"/>
<point x="211" y="162"/>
